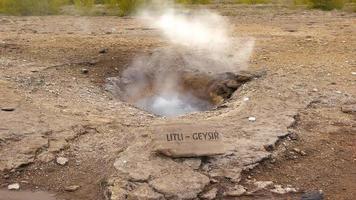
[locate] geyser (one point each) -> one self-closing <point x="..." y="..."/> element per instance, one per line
<point x="195" y="71"/>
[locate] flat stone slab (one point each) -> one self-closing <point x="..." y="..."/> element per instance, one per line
<point x="188" y="139"/>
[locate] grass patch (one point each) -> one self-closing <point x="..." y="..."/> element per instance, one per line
<point x="193" y="1"/>
<point x="252" y="1"/>
<point x="322" y="4"/>
<point x="31" y="7"/>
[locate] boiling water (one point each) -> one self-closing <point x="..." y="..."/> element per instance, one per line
<point x="173" y="104"/>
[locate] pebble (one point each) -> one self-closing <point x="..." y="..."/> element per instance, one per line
<point x="278" y="189"/>
<point x="72" y="188"/>
<point x="252" y="119"/>
<point x="62" y="160"/>
<point x="103" y="51"/>
<point x="262" y="184"/>
<point x="353" y="73"/>
<point x="8" y="109"/>
<point x="84" y="71"/>
<point x="246" y="99"/>
<point x="14" y="186"/>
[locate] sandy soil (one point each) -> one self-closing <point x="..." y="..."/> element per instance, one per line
<point x="308" y="57"/>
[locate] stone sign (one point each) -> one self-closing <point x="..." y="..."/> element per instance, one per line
<point x="188" y="140"/>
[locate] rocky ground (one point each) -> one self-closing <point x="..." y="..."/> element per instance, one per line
<point x="62" y="132"/>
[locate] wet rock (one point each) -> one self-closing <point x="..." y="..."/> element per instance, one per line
<point x="62" y="160"/>
<point x="184" y="185"/>
<point x="315" y="195"/>
<point x="278" y="189"/>
<point x="14" y="186"/>
<point x="238" y="190"/>
<point x="72" y="188"/>
<point x="211" y="194"/>
<point x="188" y="140"/>
<point x="233" y="84"/>
<point x="144" y="192"/>
<point x="349" y="108"/>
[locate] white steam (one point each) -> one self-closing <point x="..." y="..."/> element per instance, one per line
<point x="199" y="41"/>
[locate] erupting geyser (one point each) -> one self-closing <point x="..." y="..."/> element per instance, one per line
<point x="194" y="72"/>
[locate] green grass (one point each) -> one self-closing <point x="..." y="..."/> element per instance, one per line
<point x="31" y="7"/>
<point x="322" y="4"/>
<point x="193" y="1"/>
<point x="253" y="1"/>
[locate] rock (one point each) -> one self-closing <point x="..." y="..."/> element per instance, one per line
<point x="278" y="189"/>
<point x="238" y="190"/>
<point x="184" y="185"/>
<point x="353" y="73"/>
<point x="233" y="174"/>
<point x="104" y="50"/>
<point x="84" y="71"/>
<point x="262" y="184"/>
<point x="14" y="186"/>
<point x="233" y="84"/>
<point x="192" y="162"/>
<point x="62" y="160"/>
<point x="252" y="119"/>
<point x="315" y="195"/>
<point x="188" y="140"/>
<point x="211" y="194"/>
<point x="349" y="108"/>
<point x="144" y="192"/>
<point x="8" y="109"/>
<point x="72" y="188"/>
<point x="46" y="157"/>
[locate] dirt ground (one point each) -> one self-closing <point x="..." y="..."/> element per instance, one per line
<point x="52" y="108"/>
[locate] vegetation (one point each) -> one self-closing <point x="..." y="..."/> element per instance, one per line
<point x="322" y="4"/>
<point x="253" y="1"/>
<point x="31" y="7"/>
<point x="193" y="1"/>
<point x="127" y="7"/>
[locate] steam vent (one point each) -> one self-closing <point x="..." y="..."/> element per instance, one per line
<point x="177" y="100"/>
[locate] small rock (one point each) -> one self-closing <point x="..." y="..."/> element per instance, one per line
<point x="8" y="109"/>
<point x="238" y="190"/>
<point x="353" y="73"/>
<point x="14" y="186"/>
<point x="211" y="194"/>
<point x="315" y="90"/>
<point x="232" y="84"/>
<point x="62" y="160"/>
<point x="349" y="108"/>
<point x="278" y="189"/>
<point x="102" y="51"/>
<point x="246" y="99"/>
<point x="315" y="195"/>
<point x="72" y="188"/>
<point x="84" y="71"/>
<point x="252" y="119"/>
<point x="293" y="136"/>
<point x="193" y="162"/>
<point x="262" y="184"/>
